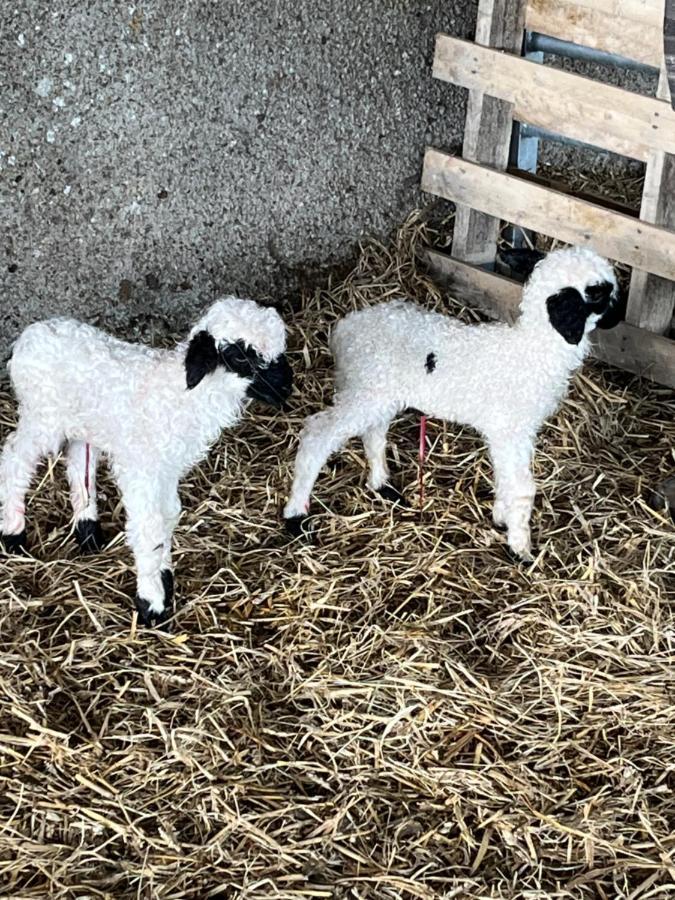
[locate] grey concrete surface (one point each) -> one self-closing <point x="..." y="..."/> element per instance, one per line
<point x="155" y="155"/>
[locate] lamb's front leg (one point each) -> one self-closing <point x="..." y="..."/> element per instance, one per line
<point x="149" y="536"/>
<point x="514" y="489"/>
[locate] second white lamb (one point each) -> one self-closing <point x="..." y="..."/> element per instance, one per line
<point x="502" y="380"/>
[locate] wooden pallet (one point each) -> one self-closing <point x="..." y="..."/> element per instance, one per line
<point x="505" y="88"/>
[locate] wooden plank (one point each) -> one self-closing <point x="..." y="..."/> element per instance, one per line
<point x="493" y="294"/>
<point x="556" y="184"/>
<point x="630" y="28"/>
<point x="568" y="104"/>
<point x="487" y="130"/>
<point x="651" y="299"/>
<point x="550" y="212"/>
<point x="645" y="354"/>
<point x="669" y="46"/>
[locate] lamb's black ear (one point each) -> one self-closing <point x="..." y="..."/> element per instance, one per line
<point x="201" y="358"/>
<point x="567" y="312"/>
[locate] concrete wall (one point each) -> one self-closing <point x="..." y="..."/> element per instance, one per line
<point x="155" y="155"/>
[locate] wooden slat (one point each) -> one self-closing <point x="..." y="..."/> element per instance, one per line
<point x="568" y="104"/>
<point x="555" y="184"/>
<point x="630" y="28"/>
<point x="649" y="355"/>
<point x="549" y="212"/>
<point x="651" y="299"/>
<point x="487" y="130"/>
<point x="669" y="46"/>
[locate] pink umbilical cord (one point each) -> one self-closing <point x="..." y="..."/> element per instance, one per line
<point x="87" y="454"/>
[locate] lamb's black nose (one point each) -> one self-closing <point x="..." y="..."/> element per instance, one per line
<point x="273" y="384"/>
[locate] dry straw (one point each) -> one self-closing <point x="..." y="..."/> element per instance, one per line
<point x="396" y="712"/>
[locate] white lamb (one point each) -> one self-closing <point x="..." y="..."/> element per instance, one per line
<point x="153" y="412"/>
<point x="502" y="380"/>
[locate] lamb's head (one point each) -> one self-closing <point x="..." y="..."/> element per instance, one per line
<point x="573" y="290"/>
<point x="245" y="339"/>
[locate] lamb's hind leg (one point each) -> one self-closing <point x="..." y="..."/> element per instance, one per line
<point x="375" y="445"/>
<point x="21" y="455"/>
<point x="82" y="460"/>
<point x="171" y="509"/>
<point x="323" y="434"/>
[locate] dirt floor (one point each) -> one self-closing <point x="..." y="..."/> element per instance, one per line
<point x="396" y="712"/>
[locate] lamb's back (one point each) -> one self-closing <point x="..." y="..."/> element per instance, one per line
<point x="61" y="358"/>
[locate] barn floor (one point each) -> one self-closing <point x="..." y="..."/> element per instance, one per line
<point x="396" y="712"/>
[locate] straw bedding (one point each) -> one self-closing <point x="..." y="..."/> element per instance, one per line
<point x="396" y="712"/>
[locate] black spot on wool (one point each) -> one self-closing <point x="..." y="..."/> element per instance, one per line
<point x="430" y="364"/>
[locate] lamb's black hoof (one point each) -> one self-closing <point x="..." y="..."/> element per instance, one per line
<point x="499" y="526"/>
<point x="14" y="544"/>
<point x="517" y="558"/>
<point x="299" y="526"/>
<point x="89" y="536"/>
<point x="390" y="493"/>
<point x="152" y="619"/>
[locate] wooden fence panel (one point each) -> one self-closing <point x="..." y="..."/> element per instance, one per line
<point x="550" y="212"/>
<point x="630" y="28"/>
<point x="651" y="299"/>
<point x="568" y="104"/>
<point x="487" y="131"/>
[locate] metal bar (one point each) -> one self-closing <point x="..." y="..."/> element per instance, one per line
<point x="531" y="131"/>
<point x="543" y="43"/>
<point x="523" y="154"/>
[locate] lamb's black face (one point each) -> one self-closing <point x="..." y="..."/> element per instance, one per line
<point x="273" y="383"/>
<point x="568" y="310"/>
<point x="604" y="300"/>
<point x="270" y="382"/>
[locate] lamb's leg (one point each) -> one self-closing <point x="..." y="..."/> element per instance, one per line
<point x="21" y="454"/>
<point x="375" y="445"/>
<point x="171" y="509"/>
<point x="82" y="460"/>
<point x="324" y="434"/>
<point x="514" y="489"/>
<point x="148" y="535"/>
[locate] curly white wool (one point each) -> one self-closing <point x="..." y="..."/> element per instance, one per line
<point x="97" y="394"/>
<point x="502" y="380"/>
